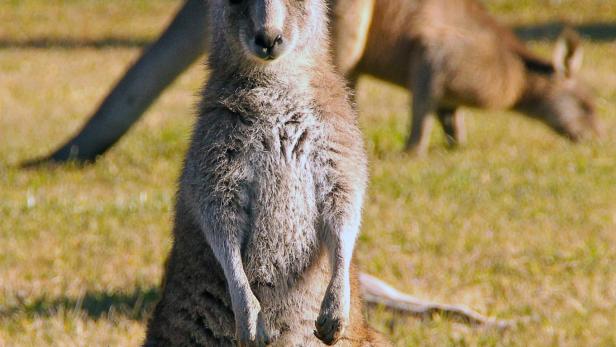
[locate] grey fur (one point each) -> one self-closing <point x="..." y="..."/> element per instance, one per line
<point x="270" y="197"/>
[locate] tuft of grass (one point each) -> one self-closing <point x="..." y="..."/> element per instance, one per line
<point x="517" y="224"/>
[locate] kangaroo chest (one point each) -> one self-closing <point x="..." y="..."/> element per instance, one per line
<point x="283" y="149"/>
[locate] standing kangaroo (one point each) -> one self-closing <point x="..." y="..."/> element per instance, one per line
<point x="449" y="52"/>
<point x="269" y="203"/>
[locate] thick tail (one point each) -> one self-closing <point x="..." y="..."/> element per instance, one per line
<point x="377" y="292"/>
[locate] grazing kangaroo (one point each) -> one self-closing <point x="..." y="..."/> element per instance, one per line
<point x="270" y="197"/>
<point x="449" y="52"/>
<point x="452" y="53"/>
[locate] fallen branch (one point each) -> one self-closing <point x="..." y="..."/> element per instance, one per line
<point x="377" y="292"/>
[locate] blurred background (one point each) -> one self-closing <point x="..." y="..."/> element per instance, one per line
<point x="519" y="223"/>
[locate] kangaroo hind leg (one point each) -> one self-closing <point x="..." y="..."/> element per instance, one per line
<point x="452" y="121"/>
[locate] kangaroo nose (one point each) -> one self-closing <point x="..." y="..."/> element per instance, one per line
<point x="267" y="43"/>
<point x="268" y="40"/>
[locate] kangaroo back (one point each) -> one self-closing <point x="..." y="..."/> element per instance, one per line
<point x="453" y="53"/>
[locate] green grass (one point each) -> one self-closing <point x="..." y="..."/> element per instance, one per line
<point x="517" y="224"/>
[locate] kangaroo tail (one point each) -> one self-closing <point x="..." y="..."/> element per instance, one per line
<point x="377" y="292"/>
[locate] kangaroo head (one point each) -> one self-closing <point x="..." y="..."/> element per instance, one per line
<point x="567" y="104"/>
<point x="263" y="32"/>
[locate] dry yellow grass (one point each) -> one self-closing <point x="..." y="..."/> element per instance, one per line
<point x="519" y="223"/>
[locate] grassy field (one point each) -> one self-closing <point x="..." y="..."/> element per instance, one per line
<point x="517" y="224"/>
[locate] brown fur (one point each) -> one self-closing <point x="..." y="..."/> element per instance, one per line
<point x="452" y="53"/>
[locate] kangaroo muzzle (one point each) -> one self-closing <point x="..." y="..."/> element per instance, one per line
<point x="268" y="18"/>
<point x="268" y="44"/>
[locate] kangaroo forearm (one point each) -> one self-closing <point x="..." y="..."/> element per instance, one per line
<point x="227" y="253"/>
<point x="343" y="203"/>
<point x="223" y="223"/>
<point x="340" y="283"/>
<point x="340" y="246"/>
<point x="178" y="47"/>
<point x="223" y="232"/>
<point x="341" y="231"/>
<point x="340" y="242"/>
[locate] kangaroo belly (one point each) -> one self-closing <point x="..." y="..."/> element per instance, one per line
<point x="283" y="239"/>
<point x="283" y="257"/>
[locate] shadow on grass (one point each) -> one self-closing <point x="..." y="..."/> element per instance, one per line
<point x="135" y="305"/>
<point x="73" y="43"/>
<point x="599" y="31"/>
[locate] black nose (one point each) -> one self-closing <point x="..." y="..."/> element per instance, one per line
<point x="268" y="43"/>
<point x="269" y="39"/>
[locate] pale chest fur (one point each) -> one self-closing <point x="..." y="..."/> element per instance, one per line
<point x="283" y="150"/>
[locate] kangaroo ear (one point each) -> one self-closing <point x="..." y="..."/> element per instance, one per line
<point x="568" y="54"/>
